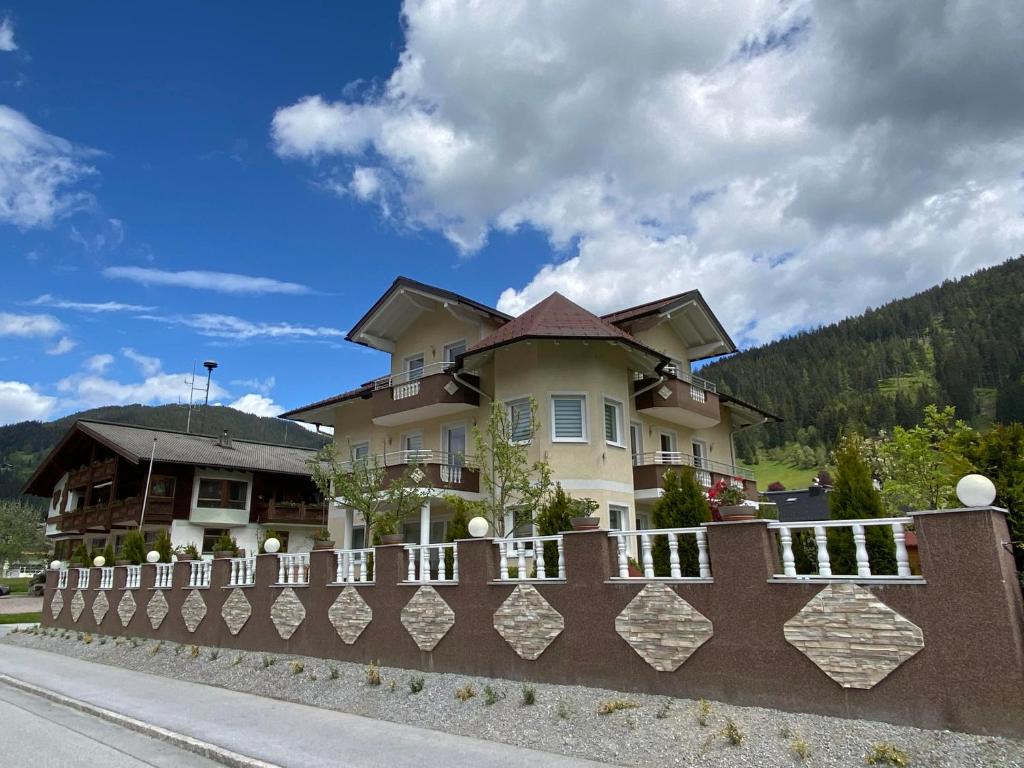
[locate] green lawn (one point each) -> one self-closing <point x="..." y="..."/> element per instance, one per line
<point x="20" y="618"/>
<point x="767" y="472"/>
<point x="17" y="585"/>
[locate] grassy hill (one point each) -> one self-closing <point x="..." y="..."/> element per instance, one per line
<point x="23" y="445"/>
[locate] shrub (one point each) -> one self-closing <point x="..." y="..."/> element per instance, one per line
<point x="556" y="517"/>
<point x="372" y="673"/>
<point x="268" y="661"/>
<point x="887" y="754"/>
<point x="156" y="648"/>
<point x="614" y="705"/>
<point x="81" y="556"/>
<point x="416" y="684"/>
<point x="334" y="673"/>
<point x="682" y="505"/>
<point x="108" y="553"/>
<point x="215" y="654"/>
<point x="194" y="651"/>
<point x="491" y="696"/>
<point x="801" y="748"/>
<point x="703" y="712"/>
<point x="529" y="695"/>
<point x="87" y="638"/>
<point x="564" y="710"/>
<point x="163" y="545"/>
<point x="237" y="660"/>
<point x="775" y="485"/>
<point x="664" y="710"/>
<point x="465" y="693"/>
<point x="133" y="549"/>
<point x="297" y="667"/>
<point x="732" y="733"/>
<point x="225" y="543"/>
<point x="391" y="685"/>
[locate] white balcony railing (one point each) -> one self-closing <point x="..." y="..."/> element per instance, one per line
<point x="413" y="376"/>
<point x="199" y="573"/>
<point x="62" y="579"/>
<point x="83" y="578"/>
<point x="293" y="569"/>
<point x="353" y="566"/>
<point x="243" y="571"/>
<point x="164" y="576"/>
<point x="526" y="554"/>
<point x="859" y="530"/>
<point x="433" y="565"/>
<point x="451" y="464"/>
<point x="704" y="467"/>
<point x="645" y="546"/>
<point x="133" y="576"/>
<point x="107" y="577"/>
<point x="676" y="372"/>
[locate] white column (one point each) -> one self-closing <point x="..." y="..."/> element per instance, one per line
<point x="425" y="522"/>
<point x="346" y="536"/>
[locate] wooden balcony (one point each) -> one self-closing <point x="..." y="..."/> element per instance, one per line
<point x="431" y="394"/>
<point x="94" y="473"/>
<point x="649" y="470"/>
<point x="291" y="513"/>
<point x="681" y="399"/>
<point x="123" y="513"/>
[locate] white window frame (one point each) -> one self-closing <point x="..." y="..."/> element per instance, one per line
<point x="354" y="449"/>
<point x="404" y="438"/>
<point x="623" y="510"/>
<point x="639" y="440"/>
<point x="702" y="462"/>
<point x="407" y="371"/>
<point x="445" y="428"/>
<point x="619" y="411"/>
<point x="674" y="439"/>
<point x="223" y="474"/>
<point x="444" y="352"/>
<point x="582" y="396"/>
<point x="509" y="402"/>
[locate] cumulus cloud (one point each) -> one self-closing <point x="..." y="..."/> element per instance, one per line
<point x="262" y="386"/>
<point x="90" y="390"/>
<point x="794" y="161"/>
<point x="99" y="363"/>
<point x="26" y="326"/>
<point x="232" y="327"/>
<point x="62" y="347"/>
<point x="221" y="282"/>
<point x="48" y="300"/>
<point x="21" y="402"/>
<point x="148" y="366"/>
<point x="260" y="405"/>
<point x="37" y="170"/>
<point x="7" y="43"/>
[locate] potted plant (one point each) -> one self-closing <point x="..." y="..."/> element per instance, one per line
<point x="389" y="527"/>
<point x="225" y="546"/>
<point x="186" y="553"/>
<point x="322" y="539"/>
<point x="727" y="502"/>
<point x="584" y="519"/>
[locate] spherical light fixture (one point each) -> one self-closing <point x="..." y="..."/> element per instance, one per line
<point x="975" y="491"/>
<point x="478" y="527"/>
<point x="55" y="565"/>
<point x="271" y="545"/>
<point x="153" y="556"/>
<point x="99" y="561"/>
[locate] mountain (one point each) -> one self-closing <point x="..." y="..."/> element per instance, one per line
<point x="959" y="343"/>
<point x="23" y="445"/>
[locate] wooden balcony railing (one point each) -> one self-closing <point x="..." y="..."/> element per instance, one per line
<point x="294" y="512"/>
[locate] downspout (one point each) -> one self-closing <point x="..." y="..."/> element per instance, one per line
<point x="467" y="385"/>
<point x="648" y="388"/>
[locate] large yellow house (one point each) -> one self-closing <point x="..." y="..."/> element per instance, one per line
<point x="617" y="403"/>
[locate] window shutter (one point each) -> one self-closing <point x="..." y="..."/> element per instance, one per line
<point x="568" y="417"/>
<point x="611" y="423"/>
<point x="519" y="411"/>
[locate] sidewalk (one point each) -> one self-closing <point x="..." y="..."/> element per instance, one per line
<point x="277" y="732"/>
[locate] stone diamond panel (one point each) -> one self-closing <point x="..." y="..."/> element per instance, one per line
<point x="100" y="606"/>
<point x="126" y="608"/>
<point x="287" y="613"/>
<point x="427" y="618"/>
<point x="350" y="615"/>
<point x="56" y="604"/>
<point x="236" y="611"/>
<point x="527" y="622"/>
<point x="662" y="627"/>
<point x="157" y="609"/>
<point x="77" y="605"/>
<point x="193" y="610"/>
<point x="852" y="636"/>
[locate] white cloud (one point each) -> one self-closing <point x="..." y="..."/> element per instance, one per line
<point x="794" y="161"/>
<point x="7" y="43"/>
<point x="231" y="327"/>
<point x="20" y="402"/>
<point x="260" y="405"/>
<point x="48" y="300"/>
<point x="108" y="235"/>
<point x="262" y="386"/>
<point x="36" y="170"/>
<point x="99" y="363"/>
<point x="90" y="390"/>
<point x="65" y="345"/>
<point x="222" y="282"/>
<point x="29" y="325"/>
<point x="148" y="366"/>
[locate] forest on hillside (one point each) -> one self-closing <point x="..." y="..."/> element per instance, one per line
<point x="25" y="444"/>
<point x="960" y="343"/>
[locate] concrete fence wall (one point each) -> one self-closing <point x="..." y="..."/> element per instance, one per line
<point x="943" y="651"/>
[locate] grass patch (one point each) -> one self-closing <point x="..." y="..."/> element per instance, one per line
<point x="529" y="695"/>
<point x="20" y="618"/>
<point x="615" y="705"/>
<point x="18" y="586"/>
<point x="767" y="471"/>
<point x="465" y="693"/>
<point x="887" y="754"/>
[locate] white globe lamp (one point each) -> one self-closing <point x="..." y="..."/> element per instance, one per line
<point x="975" y="491"/>
<point x="99" y="561"/>
<point x="478" y="527"/>
<point x="271" y="545"/>
<point x="153" y="556"/>
<point x="55" y="565"/>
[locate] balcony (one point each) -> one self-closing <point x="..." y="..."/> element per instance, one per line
<point x="94" y="473"/>
<point x="291" y="513"/>
<point x="123" y="513"/>
<point x="428" y="393"/>
<point x="681" y="399"/>
<point x="440" y="470"/>
<point x="650" y="468"/>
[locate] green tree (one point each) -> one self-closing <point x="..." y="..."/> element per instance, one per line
<point x="163" y="545"/>
<point x="463" y="510"/>
<point x="81" y="555"/>
<point x="555" y="516"/>
<point x="999" y="455"/>
<point x="681" y="505"/>
<point x="854" y="497"/>
<point x="21" y="531"/>
<point x="133" y="549"/>
<point x="108" y="553"/>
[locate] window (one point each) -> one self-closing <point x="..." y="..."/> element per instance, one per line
<point x="613" y="421"/>
<point x="412" y="442"/>
<point x="414" y="367"/>
<point x="520" y="414"/>
<point x="359" y="450"/>
<point x="453" y="350"/>
<point x="568" y="418"/>
<point x="215" y="493"/>
<point x="700" y="453"/>
<point x="101" y="494"/>
<point x="210" y="536"/>
<point x="161" y="487"/>
<point x="618" y="517"/>
<point x="358" y="537"/>
<point x="636" y="441"/>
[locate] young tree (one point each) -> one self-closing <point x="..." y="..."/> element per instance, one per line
<point x="108" y="553"/>
<point x="681" y="505"/>
<point x="510" y="483"/>
<point x="163" y="545"/>
<point x="133" y="549"/>
<point x="854" y="497"/>
<point x="555" y="516"/>
<point x="21" y="531"/>
<point x="463" y="510"/>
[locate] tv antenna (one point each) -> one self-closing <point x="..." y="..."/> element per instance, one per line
<point x="209" y="365"/>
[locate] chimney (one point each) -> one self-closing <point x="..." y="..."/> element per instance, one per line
<point x="224" y="441"/>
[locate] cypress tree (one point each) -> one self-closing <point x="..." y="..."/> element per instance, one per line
<point x="854" y="497"/>
<point x="681" y="505"/>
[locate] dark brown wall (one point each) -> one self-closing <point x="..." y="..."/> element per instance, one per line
<point x="432" y="391"/>
<point x="969" y="676"/>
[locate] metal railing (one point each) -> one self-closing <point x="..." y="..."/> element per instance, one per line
<point x="164" y="578"/>
<point x="411" y="377"/>
<point x="523" y="549"/>
<point x="353" y="566"/>
<point x="106" y="577"/>
<point x="453" y="461"/>
<point x="243" y="571"/>
<point x="83" y="578"/>
<point x="859" y="531"/>
<point x="199" y="573"/>
<point x="293" y="568"/>
<point x="645" y="540"/>
<point x="433" y="565"/>
<point x="675" y="372"/>
<point x="62" y="579"/>
<point x="679" y="459"/>
<point x="133" y="576"/>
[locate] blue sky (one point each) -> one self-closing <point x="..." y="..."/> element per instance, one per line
<point x="795" y="162"/>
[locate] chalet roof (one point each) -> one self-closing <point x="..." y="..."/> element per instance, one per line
<point x="363" y="391"/>
<point x="649" y="308"/>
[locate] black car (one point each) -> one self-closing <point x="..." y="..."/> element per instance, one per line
<point x="4" y="590"/>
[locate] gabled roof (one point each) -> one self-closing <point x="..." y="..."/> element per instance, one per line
<point x="558" y="318"/>
<point x="366" y="390"/>
<point x="649" y="308"/>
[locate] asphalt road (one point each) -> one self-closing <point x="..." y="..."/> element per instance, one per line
<point x="37" y="733"/>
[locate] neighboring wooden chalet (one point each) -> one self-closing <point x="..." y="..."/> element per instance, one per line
<point x="201" y="485"/>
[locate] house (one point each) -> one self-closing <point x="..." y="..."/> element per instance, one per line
<point x="618" y="404"/>
<point x="199" y="487"/>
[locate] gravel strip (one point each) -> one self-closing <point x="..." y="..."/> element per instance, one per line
<point x="660" y="731"/>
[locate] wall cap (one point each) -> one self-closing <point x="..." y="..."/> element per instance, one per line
<point x="957" y="509"/>
<point x="762" y="521"/>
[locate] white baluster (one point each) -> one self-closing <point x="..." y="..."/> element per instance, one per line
<point x="821" y="540"/>
<point x="860" y="542"/>
<point x="902" y="558"/>
<point x="623" y="557"/>
<point x="538" y="559"/>
<point x="645" y="553"/>
<point x="673" y="556"/>
<point x="502" y="561"/>
<point x="282" y="577"/>
<point x="788" y="562"/>
<point x="411" y="575"/>
<point x="561" y="557"/>
<point x="521" y="560"/>
<point x="455" y="562"/>
<point x="425" y="564"/>
<point x="442" y="566"/>
<point x="352" y="566"/>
